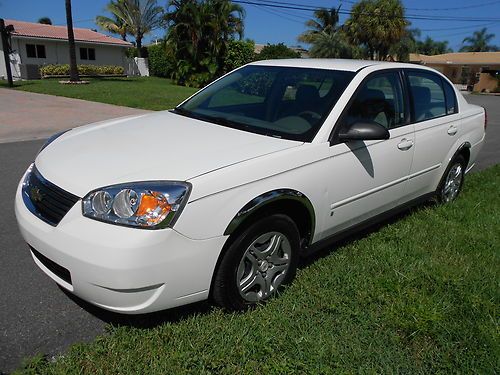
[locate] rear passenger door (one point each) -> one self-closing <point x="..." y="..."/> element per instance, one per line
<point x="436" y="119"/>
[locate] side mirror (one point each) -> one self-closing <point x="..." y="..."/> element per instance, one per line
<point x="364" y="131"/>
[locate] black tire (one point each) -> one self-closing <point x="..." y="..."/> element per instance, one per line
<point x="442" y="194"/>
<point x="226" y="286"/>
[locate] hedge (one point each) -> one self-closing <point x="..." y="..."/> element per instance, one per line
<point x="87" y="70"/>
<point x="159" y="63"/>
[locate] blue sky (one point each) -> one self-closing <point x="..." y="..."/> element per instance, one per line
<point x="268" y="25"/>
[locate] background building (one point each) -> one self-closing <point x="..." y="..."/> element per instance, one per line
<point x="34" y="45"/>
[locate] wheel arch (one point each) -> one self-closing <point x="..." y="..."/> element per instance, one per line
<point x="291" y="202"/>
<point x="463" y="149"/>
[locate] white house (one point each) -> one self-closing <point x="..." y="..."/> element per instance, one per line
<point x="35" y="44"/>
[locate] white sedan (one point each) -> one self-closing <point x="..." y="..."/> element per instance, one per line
<point x="219" y="197"/>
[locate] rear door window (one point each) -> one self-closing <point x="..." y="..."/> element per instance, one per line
<point x="451" y="98"/>
<point x="427" y="95"/>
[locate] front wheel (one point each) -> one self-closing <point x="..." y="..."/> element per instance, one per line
<point x="452" y="181"/>
<point x="258" y="263"/>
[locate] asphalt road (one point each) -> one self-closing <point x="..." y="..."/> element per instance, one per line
<point x="38" y="317"/>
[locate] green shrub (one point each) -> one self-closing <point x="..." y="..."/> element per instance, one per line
<point x="132" y="52"/>
<point x="87" y="70"/>
<point x="239" y="53"/>
<point x="277" y="51"/>
<point x="160" y="65"/>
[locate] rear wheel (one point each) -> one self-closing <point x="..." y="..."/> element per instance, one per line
<point x="258" y="263"/>
<point x="452" y="181"/>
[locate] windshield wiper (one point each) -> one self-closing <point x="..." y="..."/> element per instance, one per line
<point x="182" y="111"/>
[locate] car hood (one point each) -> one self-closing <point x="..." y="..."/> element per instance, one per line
<point x="158" y="146"/>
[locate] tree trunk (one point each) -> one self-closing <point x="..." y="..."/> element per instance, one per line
<point x="73" y="70"/>
<point x="138" y="44"/>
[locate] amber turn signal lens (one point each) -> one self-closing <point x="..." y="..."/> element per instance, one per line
<point x="153" y="207"/>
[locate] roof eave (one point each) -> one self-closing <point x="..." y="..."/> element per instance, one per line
<point x="20" y="36"/>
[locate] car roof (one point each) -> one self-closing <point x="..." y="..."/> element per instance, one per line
<point x="333" y="64"/>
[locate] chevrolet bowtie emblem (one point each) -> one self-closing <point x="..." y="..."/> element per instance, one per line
<point x="36" y="194"/>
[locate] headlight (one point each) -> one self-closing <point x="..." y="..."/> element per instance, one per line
<point x="149" y="205"/>
<point x="51" y="139"/>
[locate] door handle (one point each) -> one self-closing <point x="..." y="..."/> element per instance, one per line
<point x="452" y="130"/>
<point x="405" y="144"/>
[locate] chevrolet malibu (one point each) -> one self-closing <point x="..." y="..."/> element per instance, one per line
<point x="219" y="197"/>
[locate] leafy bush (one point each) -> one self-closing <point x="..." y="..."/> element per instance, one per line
<point x="87" y="70"/>
<point x="277" y="51"/>
<point x="239" y="53"/>
<point x="132" y="52"/>
<point x="160" y="65"/>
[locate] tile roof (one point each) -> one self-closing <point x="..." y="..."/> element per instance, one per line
<point x="38" y="30"/>
<point x="461" y="58"/>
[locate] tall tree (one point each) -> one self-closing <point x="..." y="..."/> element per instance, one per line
<point x="326" y="36"/>
<point x="199" y="33"/>
<point x="325" y="21"/>
<point x="401" y="50"/>
<point x="73" y="70"/>
<point x="377" y="25"/>
<point x="478" y="42"/>
<point x="45" y="21"/>
<point x="113" y="24"/>
<point x="138" y="17"/>
<point x="431" y="47"/>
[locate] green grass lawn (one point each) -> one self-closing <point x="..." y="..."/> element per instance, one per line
<point x="138" y="92"/>
<point x="418" y="296"/>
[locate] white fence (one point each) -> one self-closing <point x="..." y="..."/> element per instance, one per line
<point x="137" y="67"/>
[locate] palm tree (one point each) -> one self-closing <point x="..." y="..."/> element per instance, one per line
<point x="138" y="17"/>
<point x="326" y="21"/>
<point x="332" y="45"/>
<point x="432" y="47"/>
<point x="113" y="24"/>
<point x="226" y="23"/>
<point x="479" y="42"/>
<point x="73" y="69"/>
<point x="377" y="25"/>
<point x="326" y="36"/>
<point x="199" y="33"/>
<point x="45" y="21"/>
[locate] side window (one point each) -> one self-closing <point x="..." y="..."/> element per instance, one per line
<point x="428" y="95"/>
<point x="35" y="51"/>
<point x="451" y="99"/>
<point x="40" y="51"/>
<point x="87" y="53"/>
<point x="379" y="100"/>
<point x="31" y="50"/>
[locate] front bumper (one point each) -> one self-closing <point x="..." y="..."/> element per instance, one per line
<point x="121" y="269"/>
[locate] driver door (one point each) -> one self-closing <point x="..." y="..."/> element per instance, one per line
<point x="366" y="178"/>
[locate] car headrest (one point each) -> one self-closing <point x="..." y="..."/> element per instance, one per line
<point x="371" y="94"/>
<point x="421" y="95"/>
<point x="307" y="94"/>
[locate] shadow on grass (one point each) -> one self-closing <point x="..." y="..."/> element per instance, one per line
<point x="177" y="314"/>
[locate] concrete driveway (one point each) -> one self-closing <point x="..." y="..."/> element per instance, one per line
<point x="35" y="315"/>
<point x="26" y="115"/>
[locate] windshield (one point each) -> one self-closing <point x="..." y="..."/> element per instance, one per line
<point x="283" y="102"/>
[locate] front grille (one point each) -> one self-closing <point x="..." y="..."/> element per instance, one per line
<point x="52" y="266"/>
<point x="46" y="200"/>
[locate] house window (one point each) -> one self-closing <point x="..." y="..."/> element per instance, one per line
<point x="87" y="53"/>
<point x="36" y="51"/>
